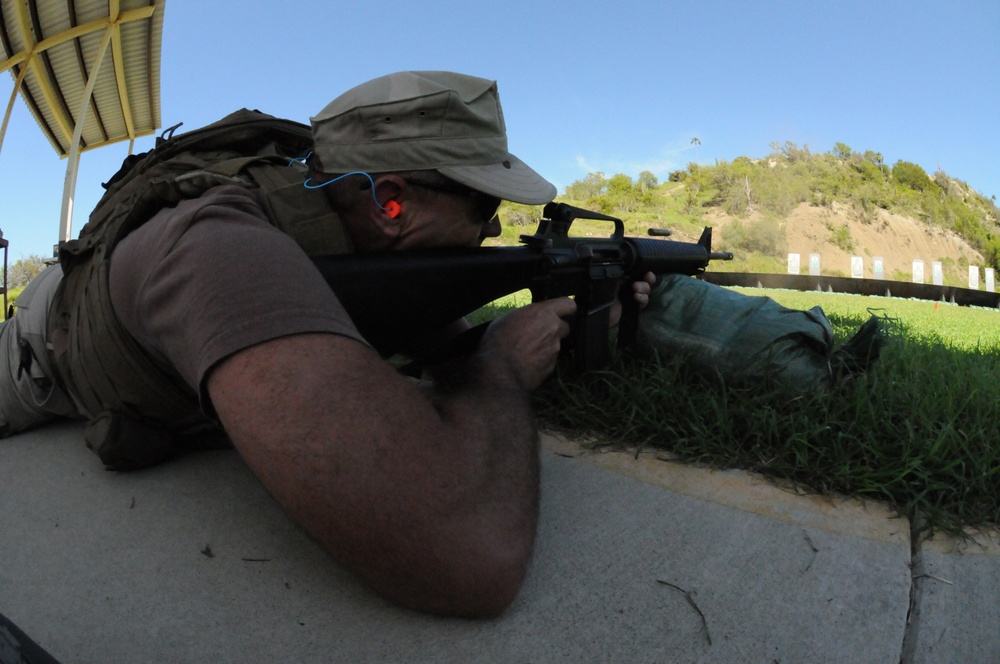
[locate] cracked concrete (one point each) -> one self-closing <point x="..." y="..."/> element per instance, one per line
<point x="955" y="612"/>
<point x="637" y="560"/>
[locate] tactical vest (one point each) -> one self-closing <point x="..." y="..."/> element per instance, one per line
<point x="138" y="413"/>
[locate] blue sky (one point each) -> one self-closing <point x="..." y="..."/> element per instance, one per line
<point x="615" y="87"/>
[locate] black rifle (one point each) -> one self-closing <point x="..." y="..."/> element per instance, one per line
<point x="17" y="648"/>
<point x="396" y="297"/>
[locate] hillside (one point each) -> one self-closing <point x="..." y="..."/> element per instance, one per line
<point x="837" y="204"/>
<point x="898" y="239"/>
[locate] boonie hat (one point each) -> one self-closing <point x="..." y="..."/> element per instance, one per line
<point x="426" y="120"/>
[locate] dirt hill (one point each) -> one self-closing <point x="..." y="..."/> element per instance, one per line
<point x="898" y="240"/>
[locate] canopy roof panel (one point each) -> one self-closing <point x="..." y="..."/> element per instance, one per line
<point x="52" y="48"/>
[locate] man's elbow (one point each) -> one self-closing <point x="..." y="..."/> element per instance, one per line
<point x="472" y="581"/>
<point x="505" y="571"/>
<point x="483" y="587"/>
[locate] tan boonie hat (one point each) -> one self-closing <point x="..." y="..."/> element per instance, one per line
<point x="424" y="120"/>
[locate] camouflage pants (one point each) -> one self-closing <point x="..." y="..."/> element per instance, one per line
<point x="29" y="395"/>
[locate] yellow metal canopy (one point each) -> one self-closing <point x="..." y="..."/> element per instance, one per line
<point x="88" y="70"/>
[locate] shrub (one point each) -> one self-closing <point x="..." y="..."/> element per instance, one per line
<point x="517" y="214"/>
<point x="765" y="236"/>
<point x="911" y="175"/>
<point x="840" y="235"/>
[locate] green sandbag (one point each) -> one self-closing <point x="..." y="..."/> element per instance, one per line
<point x="743" y="339"/>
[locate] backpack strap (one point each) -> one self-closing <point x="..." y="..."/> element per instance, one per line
<point x="305" y="214"/>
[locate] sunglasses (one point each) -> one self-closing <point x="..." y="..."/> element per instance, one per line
<point x="486" y="205"/>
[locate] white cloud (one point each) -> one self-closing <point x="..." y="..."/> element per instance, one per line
<point x="674" y="156"/>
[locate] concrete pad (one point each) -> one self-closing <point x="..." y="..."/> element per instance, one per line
<point x="744" y="491"/>
<point x="956" y="601"/>
<point x="193" y="562"/>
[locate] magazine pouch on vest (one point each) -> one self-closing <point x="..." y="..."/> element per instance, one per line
<point x="138" y="412"/>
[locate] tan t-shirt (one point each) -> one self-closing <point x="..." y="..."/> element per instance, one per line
<point x="211" y="277"/>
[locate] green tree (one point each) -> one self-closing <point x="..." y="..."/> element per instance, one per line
<point x="878" y="160"/>
<point x="874" y="157"/>
<point x="841" y="150"/>
<point x="793" y="153"/>
<point x="622" y="194"/>
<point x="24" y="270"/>
<point x="693" y="184"/>
<point x="620" y="185"/>
<point x="647" y="181"/>
<point x="589" y="187"/>
<point x="734" y="185"/>
<point x="645" y="187"/>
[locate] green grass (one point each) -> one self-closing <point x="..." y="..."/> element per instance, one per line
<point x="918" y="431"/>
<point x="13" y="293"/>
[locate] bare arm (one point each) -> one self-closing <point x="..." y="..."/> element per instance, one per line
<point x="433" y="501"/>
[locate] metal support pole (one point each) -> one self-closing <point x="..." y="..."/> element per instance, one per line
<point x="3" y="245"/>
<point x="13" y="98"/>
<point x="66" y="217"/>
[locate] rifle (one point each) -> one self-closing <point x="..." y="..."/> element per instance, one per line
<point x="17" y="648"/>
<point x="395" y="297"/>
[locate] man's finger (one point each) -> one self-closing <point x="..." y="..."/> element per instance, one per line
<point x="561" y="306"/>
